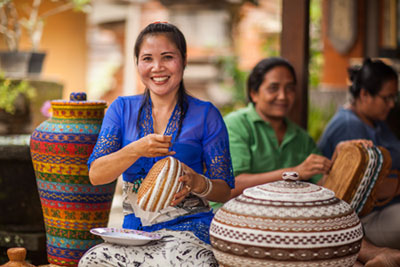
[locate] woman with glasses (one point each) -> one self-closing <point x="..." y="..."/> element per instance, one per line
<point x="374" y="92"/>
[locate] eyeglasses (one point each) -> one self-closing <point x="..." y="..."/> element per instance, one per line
<point x="389" y="98"/>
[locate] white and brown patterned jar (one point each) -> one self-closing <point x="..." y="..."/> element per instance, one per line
<point x="286" y="223"/>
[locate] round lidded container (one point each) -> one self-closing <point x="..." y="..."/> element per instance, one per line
<point x="286" y="223"/>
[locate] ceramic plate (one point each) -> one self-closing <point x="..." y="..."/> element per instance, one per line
<point x="125" y="236"/>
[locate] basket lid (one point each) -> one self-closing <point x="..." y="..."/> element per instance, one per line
<point x="289" y="189"/>
<point x="78" y="98"/>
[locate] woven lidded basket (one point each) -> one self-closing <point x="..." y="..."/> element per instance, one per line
<point x="286" y="223"/>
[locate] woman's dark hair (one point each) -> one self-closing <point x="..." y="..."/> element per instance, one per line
<point x="256" y="76"/>
<point x="370" y="77"/>
<point x="176" y="37"/>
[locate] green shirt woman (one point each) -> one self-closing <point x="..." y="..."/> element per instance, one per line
<point x="263" y="142"/>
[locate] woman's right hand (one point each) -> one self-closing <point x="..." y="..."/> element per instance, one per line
<point x="107" y="168"/>
<point x="314" y="164"/>
<point x="152" y="145"/>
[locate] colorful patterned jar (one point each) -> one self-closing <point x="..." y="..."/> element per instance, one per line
<point x="60" y="148"/>
<point x="286" y="223"/>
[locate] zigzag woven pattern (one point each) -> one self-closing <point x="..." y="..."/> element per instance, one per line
<point x="69" y="224"/>
<point x="71" y="234"/>
<point x="75" y="128"/>
<point x="62" y="169"/>
<point x="86" y="121"/>
<point x="64" y="256"/>
<point x="59" y="159"/>
<point x="70" y="243"/>
<point x="60" y="148"/>
<point x="64" y="137"/>
<point x="76" y="113"/>
<point x="73" y="197"/>
<point x="74" y="206"/>
<point x="73" y="188"/>
<point x="75" y="215"/>
<point x="60" y="178"/>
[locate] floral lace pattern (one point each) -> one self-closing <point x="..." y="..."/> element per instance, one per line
<point x="173" y="124"/>
<point x="146" y="121"/>
<point x="109" y="141"/>
<point x="218" y="163"/>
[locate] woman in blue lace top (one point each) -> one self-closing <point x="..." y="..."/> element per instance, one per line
<point x="139" y="130"/>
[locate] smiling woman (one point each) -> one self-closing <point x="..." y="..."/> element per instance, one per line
<point x="263" y="141"/>
<point x="275" y="96"/>
<point x="160" y="65"/>
<point x="140" y="130"/>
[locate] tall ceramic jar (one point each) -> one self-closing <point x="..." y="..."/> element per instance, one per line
<point x="286" y="223"/>
<point x="60" y="148"/>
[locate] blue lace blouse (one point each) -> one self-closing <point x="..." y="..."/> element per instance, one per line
<point x="202" y="145"/>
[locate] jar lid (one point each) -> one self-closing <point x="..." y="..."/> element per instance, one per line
<point x="78" y="99"/>
<point x="290" y="190"/>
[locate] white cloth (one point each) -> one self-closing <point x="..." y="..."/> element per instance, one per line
<point x="190" y="205"/>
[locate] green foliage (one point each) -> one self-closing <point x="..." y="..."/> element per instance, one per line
<point x="318" y="118"/>
<point x="271" y="46"/>
<point x="226" y="109"/>
<point x="315" y="67"/>
<point x="234" y="81"/>
<point x="316" y="56"/>
<point x="80" y="5"/>
<point x="10" y="90"/>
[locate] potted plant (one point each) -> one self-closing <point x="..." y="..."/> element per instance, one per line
<point x="19" y="63"/>
<point x="14" y="105"/>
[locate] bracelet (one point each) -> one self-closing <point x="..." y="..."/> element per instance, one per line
<point x="207" y="190"/>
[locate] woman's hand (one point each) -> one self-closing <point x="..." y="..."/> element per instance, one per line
<point x="314" y="164"/>
<point x="152" y="145"/>
<point x="366" y="143"/>
<point x="192" y="182"/>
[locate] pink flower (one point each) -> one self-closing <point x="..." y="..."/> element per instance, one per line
<point x="46" y="109"/>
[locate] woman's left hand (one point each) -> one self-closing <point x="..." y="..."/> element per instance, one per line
<point x="192" y="182"/>
<point x="365" y="142"/>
